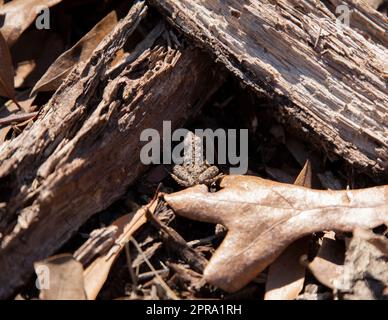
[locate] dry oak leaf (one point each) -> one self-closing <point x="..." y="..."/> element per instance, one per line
<point x="264" y="217"/>
<point x="19" y="15"/>
<point x="81" y="51"/>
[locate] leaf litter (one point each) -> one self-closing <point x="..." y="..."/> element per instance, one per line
<point x="258" y="239"/>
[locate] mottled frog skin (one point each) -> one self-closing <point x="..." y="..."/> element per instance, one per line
<point x="194" y="170"/>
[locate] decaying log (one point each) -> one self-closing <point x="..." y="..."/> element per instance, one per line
<point x="82" y="152"/>
<point x="366" y="20"/>
<point x="329" y="83"/>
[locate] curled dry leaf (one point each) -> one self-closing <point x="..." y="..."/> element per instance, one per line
<point x="60" y="278"/>
<point x="97" y="273"/>
<point x="19" y="15"/>
<point x="264" y="217"/>
<point x="81" y="51"/>
<point x="6" y="70"/>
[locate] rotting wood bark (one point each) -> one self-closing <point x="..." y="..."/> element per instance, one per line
<point x="366" y="20"/>
<point x="82" y="152"/>
<point x="331" y="86"/>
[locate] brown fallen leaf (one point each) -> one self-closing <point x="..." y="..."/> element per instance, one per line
<point x="286" y="275"/>
<point x="7" y="88"/>
<point x="96" y="274"/>
<point x="305" y="177"/>
<point x="264" y="217"/>
<point x="32" y="61"/>
<point x="65" y="273"/>
<point x="327" y="266"/>
<point x="60" y="278"/>
<point x="81" y="51"/>
<point x="3" y="133"/>
<point x="19" y="15"/>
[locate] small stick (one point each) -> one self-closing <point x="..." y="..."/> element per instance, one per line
<point x="129" y="262"/>
<point x="20" y="117"/>
<point x="178" y="244"/>
<point x="164" y="285"/>
<point x="206" y="240"/>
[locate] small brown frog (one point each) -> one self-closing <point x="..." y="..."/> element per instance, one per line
<point x="194" y="170"/>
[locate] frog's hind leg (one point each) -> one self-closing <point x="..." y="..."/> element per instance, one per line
<point x="209" y="176"/>
<point x="181" y="182"/>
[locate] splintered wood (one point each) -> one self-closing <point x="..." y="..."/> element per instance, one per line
<point x="329" y="83"/>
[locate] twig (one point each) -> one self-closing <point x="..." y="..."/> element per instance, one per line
<point x="129" y="262"/>
<point x="169" y="292"/>
<point x="20" y="117"/>
<point x="179" y="245"/>
<point x="206" y="240"/>
<point x="147" y="275"/>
